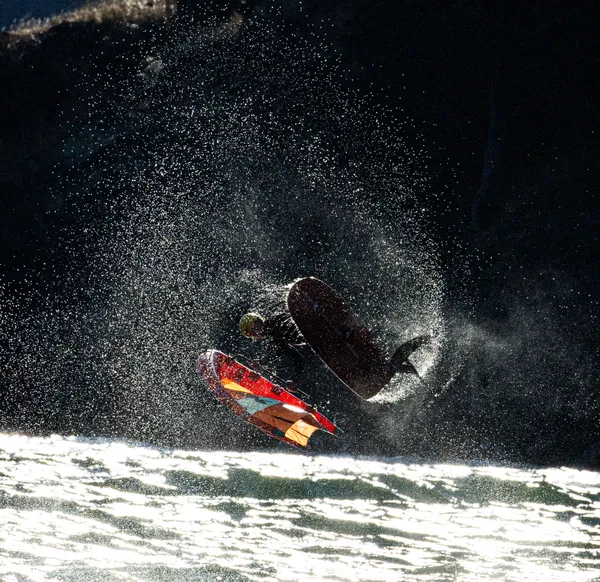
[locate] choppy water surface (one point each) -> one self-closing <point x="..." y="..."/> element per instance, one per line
<point x="82" y="509"/>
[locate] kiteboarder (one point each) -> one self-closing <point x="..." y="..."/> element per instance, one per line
<point x="318" y="317"/>
<point x="282" y="337"/>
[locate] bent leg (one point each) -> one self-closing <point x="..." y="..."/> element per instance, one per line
<point x="399" y="362"/>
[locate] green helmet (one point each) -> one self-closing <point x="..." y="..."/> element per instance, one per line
<point x="251" y="325"/>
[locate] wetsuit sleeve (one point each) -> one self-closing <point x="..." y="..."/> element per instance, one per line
<point x="281" y="355"/>
<point x="298" y="361"/>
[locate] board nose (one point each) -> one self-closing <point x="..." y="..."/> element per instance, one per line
<point x="203" y="360"/>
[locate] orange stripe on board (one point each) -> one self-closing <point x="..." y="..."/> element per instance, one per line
<point x="231" y="385"/>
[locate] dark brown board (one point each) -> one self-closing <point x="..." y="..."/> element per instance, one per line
<point x="338" y="336"/>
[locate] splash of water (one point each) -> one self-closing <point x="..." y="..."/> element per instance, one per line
<point x="237" y="162"/>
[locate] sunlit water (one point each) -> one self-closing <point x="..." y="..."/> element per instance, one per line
<point x="84" y="509"/>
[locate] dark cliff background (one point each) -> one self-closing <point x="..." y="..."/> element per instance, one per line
<point x="14" y="11"/>
<point x="455" y="141"/>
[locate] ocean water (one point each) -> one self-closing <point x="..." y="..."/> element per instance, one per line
<point x="100" y="510"/>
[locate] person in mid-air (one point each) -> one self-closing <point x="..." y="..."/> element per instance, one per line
<point x="282" y="337"/>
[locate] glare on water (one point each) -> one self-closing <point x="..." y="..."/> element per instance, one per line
<point x="77" y="509"/>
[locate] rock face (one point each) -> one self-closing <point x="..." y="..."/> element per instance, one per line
<point x="160" y="166"/>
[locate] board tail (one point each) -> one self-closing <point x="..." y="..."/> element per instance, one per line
<point x="399" y="362"/>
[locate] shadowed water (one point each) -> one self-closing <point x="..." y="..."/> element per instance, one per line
<point x="87" y="510"/>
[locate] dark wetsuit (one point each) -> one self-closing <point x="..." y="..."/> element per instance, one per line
<point x="283" y="339"/>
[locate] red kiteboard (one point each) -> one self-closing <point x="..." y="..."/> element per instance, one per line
<point x="258" y="401"/>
